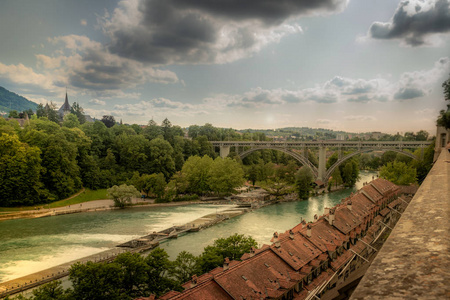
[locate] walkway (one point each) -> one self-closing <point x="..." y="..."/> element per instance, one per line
<point x="414" y="263"/>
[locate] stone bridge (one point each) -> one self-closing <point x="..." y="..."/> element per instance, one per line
<point x="298" y="150"/>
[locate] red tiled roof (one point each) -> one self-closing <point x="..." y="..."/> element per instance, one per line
<point x="206" y="291"/>
<point x="341" y="260"/>
<point x="323" y="235"/>
<point x="384" y="186"/>
<point x="371" y="193"/>
<point x="321" y="279"/>
<point x="169" y="295"/>
<point x="345" y="220"/>
<point x="297" y="252"/>
<point x="384" y="212"/>
<point x="251" y="277"/>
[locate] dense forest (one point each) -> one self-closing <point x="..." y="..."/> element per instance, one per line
<point x="48" y="160"/>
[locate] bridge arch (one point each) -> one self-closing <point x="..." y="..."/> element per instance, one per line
<point x="348" y="156"/>
<point x="300" y="158"/>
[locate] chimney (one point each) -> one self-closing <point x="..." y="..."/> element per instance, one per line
<point x="326" y="211"/>
<point x="193" y="281"/>
<point x="349" y="205"/>
<point x="308" y="230"/>
<point x="291" y="234"/>
<point x="226" y="263"/>
<point x="275" y="240"/>
<point x="331" y="217"/>
<point x="252" y="251"/>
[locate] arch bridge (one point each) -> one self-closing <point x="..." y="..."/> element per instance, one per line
<point x="298" y="150"/>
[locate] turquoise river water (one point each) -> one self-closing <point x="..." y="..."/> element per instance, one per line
<point x="31" y="245"/>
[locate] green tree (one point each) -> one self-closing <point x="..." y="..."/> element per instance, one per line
<point x="109" y="121"/>
<point x="399" y="173"/>
<point x="78" y="111"/>
<point x="277" y="187"/>
<point x="70" y="121"/>
<point x="97" y="281"/>
<point x="232" y="247"/>
<point x="160" y="159"/>
<point x="158" y="272"/>
<point x="154" y="184"/>
<point x="197" y="172"/>
<point x="20" y="167"/>
<point x="134" y="273"/>
<point x="122" y="194"/>
<point x="184" y="266"/>
<point x="13" y="114"/>
<point x="152" y="131"/>
<point x="252" y="174"/>
<point x="304" y="179"/>
<point x="225" y="175"/>
<point x="52" y="291"/>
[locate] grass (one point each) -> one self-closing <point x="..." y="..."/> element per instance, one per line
<point x="87" y="195"/>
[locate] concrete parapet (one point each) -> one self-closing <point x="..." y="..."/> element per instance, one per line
<point x="414" y="262"/>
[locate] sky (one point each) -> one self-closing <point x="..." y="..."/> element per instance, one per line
<point x="351" y="65"/>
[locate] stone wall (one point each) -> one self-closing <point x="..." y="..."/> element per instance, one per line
<point x="414" y="263"/>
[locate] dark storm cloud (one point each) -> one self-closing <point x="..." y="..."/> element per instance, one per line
<point x="268" y="12"/>
<point x="409" y="93"/>
<point x="414" y="27"/>
<point x="203" y="31"/>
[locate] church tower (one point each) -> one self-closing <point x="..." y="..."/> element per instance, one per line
<point x="65" y="108"/>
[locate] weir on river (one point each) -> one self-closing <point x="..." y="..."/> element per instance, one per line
<point x="32" y="245"/>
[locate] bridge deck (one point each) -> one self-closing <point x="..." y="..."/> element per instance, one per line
<point x="414" y="263"/>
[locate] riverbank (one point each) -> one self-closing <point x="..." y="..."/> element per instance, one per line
<point x="96" y="205"/>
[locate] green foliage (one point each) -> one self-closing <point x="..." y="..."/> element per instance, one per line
<point x="399" y="173"/>
<point x="446" y="86"/>
<point x="96" y="281"/>
<point x="20" y="169"/>
<point x="232" y="247"/>
<point x="109" y="121"/>
<point x="122" y="194"/>
<point x="277" y="186"/>
<point x="184" y="266"/>
<point x="350" y="172"/>
<point x="444" y="119"/>
<point x="52" y="291"/>
<point x="226" y="175"/>
<point x="197" y="171"/>
<point x="304" y="179"/>
<point x="159" y="279"/>
<point x="70" y="121"/>
<point x="78" y="111"/>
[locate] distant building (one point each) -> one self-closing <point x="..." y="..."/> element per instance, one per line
<point x="65" y="108"/>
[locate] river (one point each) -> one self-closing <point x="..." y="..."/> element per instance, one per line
<point x="31" y="245"/>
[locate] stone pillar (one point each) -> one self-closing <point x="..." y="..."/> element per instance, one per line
<point x="224" y="151"/>
<point x="322" y="163"/>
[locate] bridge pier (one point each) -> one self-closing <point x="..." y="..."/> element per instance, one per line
<point x="224" y="151"/>
<point x="322" y="164"/>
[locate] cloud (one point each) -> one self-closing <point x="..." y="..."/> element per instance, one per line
<point x="341" y="89"/>
<point x="87" y="65"/>
<point x="83" y="22"/>
<point x="415" y="23"/>
<point x="184" y="32"/>
<point x="360" y="118"/>
<point x="26" y="80"/>
<point x="97" y="102"/>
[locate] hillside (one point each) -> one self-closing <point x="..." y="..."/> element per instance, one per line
<point x="9" y="99"/>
